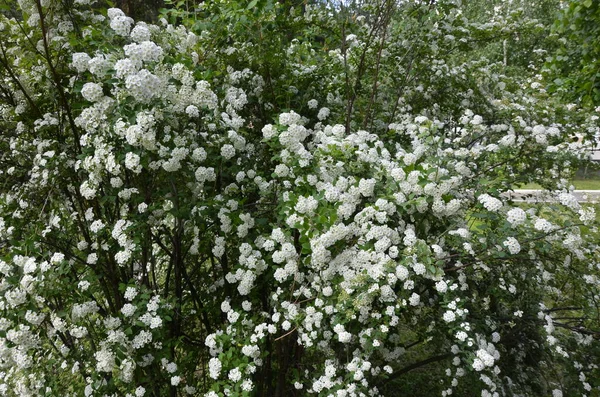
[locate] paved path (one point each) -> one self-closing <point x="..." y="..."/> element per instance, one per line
<point x="532" y="196"/>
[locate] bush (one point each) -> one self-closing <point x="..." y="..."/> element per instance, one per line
<point x="289" y="202"/>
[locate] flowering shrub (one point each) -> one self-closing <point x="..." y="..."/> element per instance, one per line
<point x="179" y="218"/>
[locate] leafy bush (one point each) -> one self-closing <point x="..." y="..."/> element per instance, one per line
<point x="286" y="201"/>
<point x="573" y="69"/>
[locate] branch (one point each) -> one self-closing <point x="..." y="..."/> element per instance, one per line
<point x="15" y="79"/>
<point x="524" y="242"/>
<point x="411" y="367"/>
<point x="55" y="75"/>
<point x="555" y="309"/>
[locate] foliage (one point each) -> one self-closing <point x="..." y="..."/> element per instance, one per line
<point x="253" y="198"/>
<point x="575" y="68"/>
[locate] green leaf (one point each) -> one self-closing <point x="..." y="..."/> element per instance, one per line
<point x="252" y="4"/>
<point x="587" y="3"/>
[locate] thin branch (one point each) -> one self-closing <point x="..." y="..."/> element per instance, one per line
<point x="55" y="75"/>
<point x="414" y="366"/>
<point x="286" y="334"/>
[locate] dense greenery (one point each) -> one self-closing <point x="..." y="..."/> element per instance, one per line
<point x="575" y="66"/>
<point x="288" y="198"/>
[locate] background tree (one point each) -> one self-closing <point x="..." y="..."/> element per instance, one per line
<point x="574" y="68"/>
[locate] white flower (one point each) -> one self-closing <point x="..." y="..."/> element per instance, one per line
<point x="92" y="92"/>
<point x="449" y="316"/>
<point x="344" y="337"/>
<point x="490" y="203"/>
<point x="401" y="272"/>
<point x="214" y="367"/>
<point x="126" y="67"/>
<point x="143" y="85"/>
<point x="282" y="170"/>
<point x="121" y="25"/>
<point x="486" y="358"/>
<point x="192" y="111"/>
<point x="96" y="226"/>
<point x="225" y="306"/>
<point x="80" y="61"/>
<point x="513" y="245"/>
<point x="290" y="118"/>
<point x="306" y="205"/>
<point x="141" y="339"/>
<point x="140" y="33"/>
<point x="105" y="360"/>
<point x="366" y="186"/>
<point x="235" y="375"/>
<point x="114" y="12"/>
<point x="478" y="365"/>
<point x="204" y="174"/>
<point x="323" y="114"/>
<point x="441" y="286"/>
<point x="122" y="256"/>
<point x="269" y="131"/>
<point x="516" y="216"/>
<point x="132" y="162"/>
<point x="543" y="225"/>
<point x="227" y="151"/>
<point x="130" y="293"/>
<point x="128" y="309"/>
<point x="247" y="385"/>
<point x="171" y="368"/>
<point x="587" y="215"/>
<point x="83" y="285"/>
<point x="87" y="190"/>
<point x="419" y="268"/>
<point x="98" y="65"/>
<point x="414" y="299"/>
<point x="477" y="120"/>
<point x="251" y="351"/>
<point x="155" y="322"/>
<point x="409" y="158"/>
<point x="569" y="200"/>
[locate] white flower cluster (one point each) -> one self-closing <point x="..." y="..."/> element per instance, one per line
<point x="140" y="33"/>
<point x="306" y="205"/>
<point x="516" y="216"/>
<point x="92" y="92"/>
<point x="146" y="51"/>
<point x="487" y="355"/>
<point x="143" y="85"/>
<point x="120" y="23"/>
<point x="80" y="61"/>
<point x="512" y="244"/>
<point x="490" y="203"/>
<point x="126" y="67"/>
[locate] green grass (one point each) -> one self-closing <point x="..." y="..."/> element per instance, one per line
<point x="580" y="184"/>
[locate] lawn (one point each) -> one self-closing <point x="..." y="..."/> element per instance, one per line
<point x="580" y="184"/>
